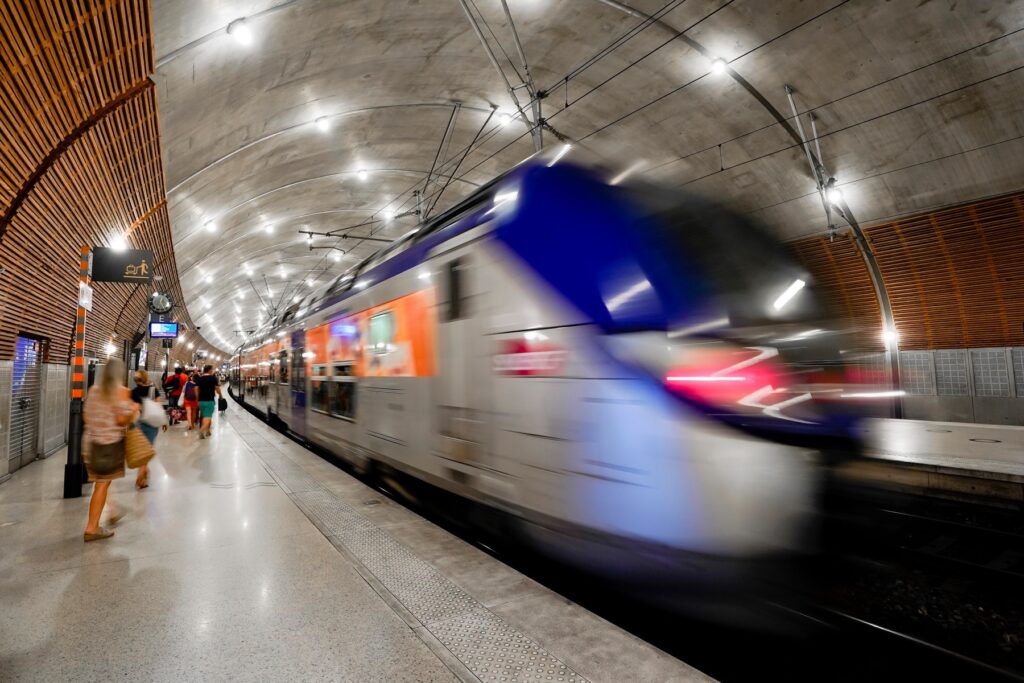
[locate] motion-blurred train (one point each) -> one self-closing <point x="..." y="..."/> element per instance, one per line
<point x="642" y="380"/>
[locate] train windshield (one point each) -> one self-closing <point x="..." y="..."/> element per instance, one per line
<point x="707" y="262"/>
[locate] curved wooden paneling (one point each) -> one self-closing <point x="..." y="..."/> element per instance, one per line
<point x="955" y="277"/>
<point x="79" y="164"/>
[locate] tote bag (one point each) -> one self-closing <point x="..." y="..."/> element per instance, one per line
<point x="137" y="449"/>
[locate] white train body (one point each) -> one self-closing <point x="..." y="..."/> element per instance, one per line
<point x="526" y="407"/>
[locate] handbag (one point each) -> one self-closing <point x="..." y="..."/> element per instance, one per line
<point x="137" y="449"/>
<point x="222" y="404"/>
<point x="152" y="413"/>
<point x="106" y="458"/>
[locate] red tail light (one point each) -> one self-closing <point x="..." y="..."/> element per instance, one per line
<point x="726" y="375"/>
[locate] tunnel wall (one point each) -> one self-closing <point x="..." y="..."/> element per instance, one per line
<point x="83" y="166"/>
<point x="955" y="279"/>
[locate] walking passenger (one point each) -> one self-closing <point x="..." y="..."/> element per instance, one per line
<point x="209" y="391"/>
<point x="144" y="389"/>
<point x="190" y="397"/>
<point x="108" y="409"/>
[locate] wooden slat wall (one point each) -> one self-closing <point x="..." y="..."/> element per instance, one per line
<point x="955" y="277"/>
<point x="79" y="164"/>
<point x="843" y="281"/>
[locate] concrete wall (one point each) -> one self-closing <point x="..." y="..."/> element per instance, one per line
<point x="964" y="385"/>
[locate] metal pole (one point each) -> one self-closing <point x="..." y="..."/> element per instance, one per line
<point x="74" y="470"/>
<point x="892" y="350"/>
<point x="531" y="89"/>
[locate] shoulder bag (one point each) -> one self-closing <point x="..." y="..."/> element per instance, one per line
<point x="137" y="449"/>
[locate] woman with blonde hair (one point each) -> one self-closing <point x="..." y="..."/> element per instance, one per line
<point x="108" y="410"/>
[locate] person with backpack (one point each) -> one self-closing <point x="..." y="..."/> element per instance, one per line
<point x="173" y="385"/>
<point x="190" y="397"/>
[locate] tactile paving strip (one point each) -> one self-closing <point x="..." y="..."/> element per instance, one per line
<point x="495" y="651"/>
<point x="294" y="478"/>
<point x="488" y="646"/>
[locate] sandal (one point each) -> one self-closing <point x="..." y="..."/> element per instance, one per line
<point x="117" y="517"/>
<point x="97" y="535"/>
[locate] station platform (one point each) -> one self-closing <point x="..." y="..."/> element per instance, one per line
<point x="953" y="459"/>
<point x="250" y="558"/>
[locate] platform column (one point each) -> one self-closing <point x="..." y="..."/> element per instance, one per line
<point x="74" y="470"/>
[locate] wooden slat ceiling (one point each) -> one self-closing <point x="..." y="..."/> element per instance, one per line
<point x="955" y="277"/>
<point x="79" y="164"/>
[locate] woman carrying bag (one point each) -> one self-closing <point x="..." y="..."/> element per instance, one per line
<point x="151" y="419"/>
<point x="108" y="409"/>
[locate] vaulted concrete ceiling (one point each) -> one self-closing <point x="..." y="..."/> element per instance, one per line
<point x="918" y="104"/>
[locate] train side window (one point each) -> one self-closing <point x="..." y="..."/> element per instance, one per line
<point x="342" y="391"/>
<point x="456" y="303"/>
<point x="382" y="332"/>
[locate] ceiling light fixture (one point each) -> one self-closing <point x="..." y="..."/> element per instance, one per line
<point x="269" y="229"/>
<point x="240" y="31"/>
<point x="210" y="226"/>
<point x="336" y="256"/>
<point x="389" y="214"/>
<point x="718" y="66"/>
<point x="790" y="292"/>
<point x="504" y="119"/>
<point x="834" y="194"/>
<point x="323" y="124"/>
<point x="362" y="175"/>
<point x="120" y="243"/>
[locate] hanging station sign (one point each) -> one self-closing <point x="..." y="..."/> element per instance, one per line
<point x="127" y="265"/>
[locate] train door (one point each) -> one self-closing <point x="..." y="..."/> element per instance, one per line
<point x="282" y="391"/>
<point x="297" y="420"/>
<point x="25" y="396"/>
<point x="463" y="392"/>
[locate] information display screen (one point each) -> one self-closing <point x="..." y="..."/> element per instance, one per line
<point x="163" y="330"/>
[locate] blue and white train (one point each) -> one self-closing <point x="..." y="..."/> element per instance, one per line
<point x="642" y="381"/>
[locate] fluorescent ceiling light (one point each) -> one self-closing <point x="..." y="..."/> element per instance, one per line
<point x="790" y="292"/>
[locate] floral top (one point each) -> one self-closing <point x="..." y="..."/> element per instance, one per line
<point x="101" y="418"/>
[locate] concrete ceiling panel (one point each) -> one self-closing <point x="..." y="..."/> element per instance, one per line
<point x="241" y="146"/>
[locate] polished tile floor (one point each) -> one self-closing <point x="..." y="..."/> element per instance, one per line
<point x="249" y="558"/>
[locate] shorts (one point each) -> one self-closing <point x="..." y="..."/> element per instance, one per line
<point x="206" y="408"/>
<point x="194" y="405"/>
